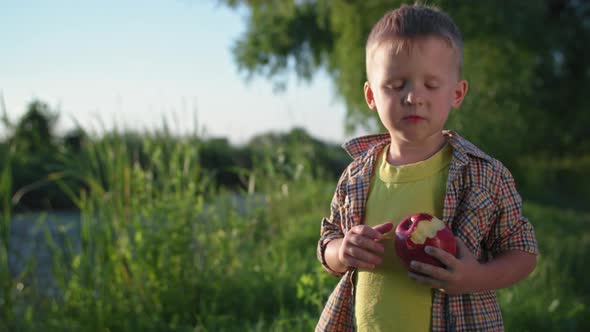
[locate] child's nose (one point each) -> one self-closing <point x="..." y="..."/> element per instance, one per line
<point x="413" y="98"/>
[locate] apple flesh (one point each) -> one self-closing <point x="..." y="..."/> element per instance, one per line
<point x="419" y="230"/>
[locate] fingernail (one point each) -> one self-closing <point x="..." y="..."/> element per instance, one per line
<point x="428" y="250"/>
<point x="413" y="264"/>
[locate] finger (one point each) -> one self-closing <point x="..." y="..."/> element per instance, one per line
<point x="355" y="262"/>
<point x="362" y="255"/>
<point x="366" y="243"/>
<point x="366" y="231"/>
<point x="426" y="280"/>
<point x="446" y="258"/>
<point x="384" y="228"/>
<point x="432" y="271"/>
<point x="462" y="249"/>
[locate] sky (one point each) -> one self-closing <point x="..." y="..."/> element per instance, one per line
<point x="131" y="64"/>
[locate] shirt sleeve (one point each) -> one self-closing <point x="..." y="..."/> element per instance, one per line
<point x="332" y="226"/>
<point x="512" y="230"/>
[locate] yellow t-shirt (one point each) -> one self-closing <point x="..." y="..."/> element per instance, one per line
<point x="386" y="298"/>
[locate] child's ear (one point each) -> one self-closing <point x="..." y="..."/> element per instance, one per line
<point x="369" y="97"/>
<point x="459" y="93"/>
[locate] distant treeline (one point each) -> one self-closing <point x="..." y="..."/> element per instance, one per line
<point x="41" y="162"/>
<point x="45" y="171"/>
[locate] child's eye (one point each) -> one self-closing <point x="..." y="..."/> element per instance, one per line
<point x="431" y="85"/>
<point x="397" y="85"/>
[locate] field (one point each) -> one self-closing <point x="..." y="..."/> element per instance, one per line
<point x="156" y="249"/>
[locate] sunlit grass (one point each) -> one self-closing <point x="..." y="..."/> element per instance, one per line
<point x="556" y="297"/>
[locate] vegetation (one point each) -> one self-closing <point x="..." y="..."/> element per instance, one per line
<point x="161" y="247"/>
<point x="526" y="62"/>
<point x="38" y="156"/>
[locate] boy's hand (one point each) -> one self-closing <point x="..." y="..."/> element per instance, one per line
<point x="461" y="275"/>
<point x="360" y="247"/>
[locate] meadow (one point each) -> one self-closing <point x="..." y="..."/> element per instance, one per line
<point x="155" y="246"/>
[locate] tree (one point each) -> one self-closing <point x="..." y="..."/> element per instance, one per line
<point x="526" y="62"/>
<point x="35" y="130"/>
<point x="32" y="151"/>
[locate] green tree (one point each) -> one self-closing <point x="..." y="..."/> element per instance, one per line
<point x="526" y="62"/>
<point x="33" y="147"/>
<point x="34" y="132"/>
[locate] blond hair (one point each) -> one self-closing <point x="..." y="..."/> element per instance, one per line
<point x="409" y="22"/>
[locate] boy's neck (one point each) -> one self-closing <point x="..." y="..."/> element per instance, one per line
<point x="404" y="153"/>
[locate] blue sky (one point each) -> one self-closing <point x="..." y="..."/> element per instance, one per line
<point x="134" y="63"/>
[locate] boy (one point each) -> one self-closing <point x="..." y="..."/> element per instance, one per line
<point x="413" y="59"/>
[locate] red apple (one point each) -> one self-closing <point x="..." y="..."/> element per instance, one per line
<point x="419" y="230"/>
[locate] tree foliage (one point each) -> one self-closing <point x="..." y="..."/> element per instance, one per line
<point x="526" y="62"/>
<point x="38" y="162"/>
<point x="34" y="132"/>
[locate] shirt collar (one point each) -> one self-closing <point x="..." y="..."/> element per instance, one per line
<point x="366" y="145"/>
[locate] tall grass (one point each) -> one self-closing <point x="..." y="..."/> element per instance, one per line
<point x="556" y="297"/>
<point x="7" y="313"/>
<point x="140" y="252"/>
<point x="160" y="250"/>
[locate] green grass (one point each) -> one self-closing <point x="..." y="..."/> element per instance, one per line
<point x="556" y="297"/>
<point x="160" y="251"/>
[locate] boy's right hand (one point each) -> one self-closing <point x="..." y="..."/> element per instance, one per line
<point x="360" y="247"/>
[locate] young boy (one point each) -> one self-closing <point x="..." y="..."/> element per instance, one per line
<point x="413" y="59"/>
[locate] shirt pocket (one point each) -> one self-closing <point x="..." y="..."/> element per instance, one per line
<point x="474" y="219"/>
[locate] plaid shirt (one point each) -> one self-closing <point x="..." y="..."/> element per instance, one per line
<point x="482" y="207"/>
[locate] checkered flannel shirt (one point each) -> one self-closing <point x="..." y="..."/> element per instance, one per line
<point x="481" y="206"/>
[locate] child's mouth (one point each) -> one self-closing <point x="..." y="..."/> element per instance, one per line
<point x="414" y="118"/>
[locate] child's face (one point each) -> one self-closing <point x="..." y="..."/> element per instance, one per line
<point x="413" y="90"/>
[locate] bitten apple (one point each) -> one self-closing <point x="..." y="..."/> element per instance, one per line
<point x="419" y="230"/>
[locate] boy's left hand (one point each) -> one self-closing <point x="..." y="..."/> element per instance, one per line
<point x="461" y="275"/>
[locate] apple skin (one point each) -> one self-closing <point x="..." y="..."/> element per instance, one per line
<point x="409" y="251"/>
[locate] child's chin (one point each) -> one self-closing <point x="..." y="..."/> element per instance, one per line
<point x="412" y="136"/>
